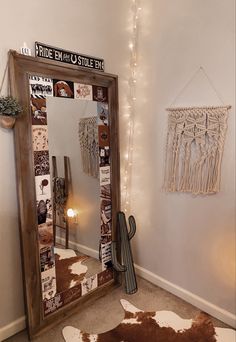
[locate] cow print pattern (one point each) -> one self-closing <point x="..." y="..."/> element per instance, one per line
<point x="161" y="326"/>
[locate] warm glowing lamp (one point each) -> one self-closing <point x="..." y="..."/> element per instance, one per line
<point x="71" y="213"/>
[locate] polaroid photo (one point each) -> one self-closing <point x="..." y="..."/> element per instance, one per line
<point x="38" y="110"/>
<point x="47" y="259"/>
<point x="44" y="210"/>
<point x="63" y="88"/>
<point x="100" y="94"/>
<point x="45" y="234"/>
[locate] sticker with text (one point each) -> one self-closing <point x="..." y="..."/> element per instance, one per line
<point x="71" y="294"/>
<point x="105" y="192"/>
<point x="105" y="177"/>
<point x="39" y="85"/>
<point x="53" y="304"/>
<point x="48" y="281"/>
<point x="105" y="276"/>
<point x="106" y="255"/>
<point x="83" y="91"/>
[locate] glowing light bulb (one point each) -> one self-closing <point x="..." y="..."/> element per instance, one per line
<point x="71" y="213"/>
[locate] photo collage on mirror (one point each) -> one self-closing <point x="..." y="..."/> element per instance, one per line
<point x="40" y="88"/>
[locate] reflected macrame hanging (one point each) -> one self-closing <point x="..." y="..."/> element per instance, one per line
<point x="88" y="137"/>
<point x="194" y="150"/>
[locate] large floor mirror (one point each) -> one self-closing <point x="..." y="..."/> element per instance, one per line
<point x="67" y="160"/>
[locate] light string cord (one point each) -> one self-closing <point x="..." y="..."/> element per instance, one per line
<point x="133" y="45"/>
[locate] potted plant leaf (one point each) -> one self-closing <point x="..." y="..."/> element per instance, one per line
<point x="9" y="109"/>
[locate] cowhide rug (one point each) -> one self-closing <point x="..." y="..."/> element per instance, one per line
<point x="69" y="268"/>
<point x="159" y="326"/>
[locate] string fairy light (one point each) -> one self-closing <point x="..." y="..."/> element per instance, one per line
<point x="130" y="112"/>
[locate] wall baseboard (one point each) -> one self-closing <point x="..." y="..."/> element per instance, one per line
<point x="12" y="328"/>
<point x="215" y="311"/>
<point x="81" y="248"/>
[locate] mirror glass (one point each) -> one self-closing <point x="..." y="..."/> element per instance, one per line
<point x="66" y="125"/>
<point x="71" y="143"/>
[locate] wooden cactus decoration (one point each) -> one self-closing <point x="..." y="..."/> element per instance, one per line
<point x="127" y="265"/>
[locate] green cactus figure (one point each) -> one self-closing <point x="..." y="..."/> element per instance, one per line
<point x="127" y="265"/>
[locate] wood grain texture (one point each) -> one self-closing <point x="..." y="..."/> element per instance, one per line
<point x="20" y="68"/>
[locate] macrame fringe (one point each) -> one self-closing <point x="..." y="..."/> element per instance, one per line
<point x="194" y="150"/>
<point x="88" y="137"/>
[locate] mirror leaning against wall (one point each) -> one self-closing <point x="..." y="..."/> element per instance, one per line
<point x="67" y="160"/>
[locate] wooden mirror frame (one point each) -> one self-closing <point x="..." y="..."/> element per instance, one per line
<point x="21" y="67"/>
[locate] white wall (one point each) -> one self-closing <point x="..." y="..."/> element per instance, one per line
<point x="189" y="241"/>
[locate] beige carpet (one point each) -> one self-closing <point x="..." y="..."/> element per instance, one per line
<point x="106" y="312"/>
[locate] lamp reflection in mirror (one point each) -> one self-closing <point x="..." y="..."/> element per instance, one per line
<point x="72" y="214"/>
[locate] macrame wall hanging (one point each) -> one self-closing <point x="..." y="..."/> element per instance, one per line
<point x="195" y="144"/>
<point x="88" y="137"/>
